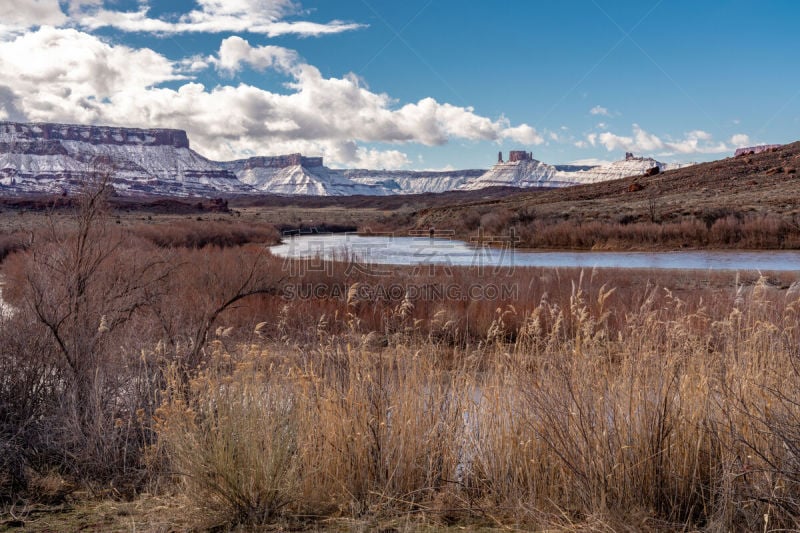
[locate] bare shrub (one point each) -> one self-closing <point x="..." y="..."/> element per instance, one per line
<point x="13" y="242"/>
<point x="715" y="229"/>
<point x="233" y="443"/>
<point x="205" y="287"/>
<point x="81" y="288"/>
<point x="200" y="234"/>
<point x="497" y="222"/>
<point x="30" y="392"/>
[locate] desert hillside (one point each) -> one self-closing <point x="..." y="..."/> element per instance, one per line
<point x="735" y="191"/>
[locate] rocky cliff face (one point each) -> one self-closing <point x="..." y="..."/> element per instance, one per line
<point x="278" y="161"/>
<point x="297" y="175"/>
<point x="756" y="149"/>
<point x="16" y="132"/>
<point x="631" y="166"/>
<point x="519" y="173"/>
<point x="533" y="173"/>
<point x="57" y="158"/>
<point x="414" y="182"/>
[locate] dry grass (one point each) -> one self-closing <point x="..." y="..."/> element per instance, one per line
<point x="10" y="243"/>
<point x="654" y="400"/>
<point x="232" y="443"/>
<point x="677" y="419"/>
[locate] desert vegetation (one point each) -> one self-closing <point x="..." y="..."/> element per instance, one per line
<point x="248" y="390"/>
<point x="735" y="203"/>
<point x="716" y="229"/>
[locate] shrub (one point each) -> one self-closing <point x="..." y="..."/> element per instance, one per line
<point x="233" y="443"/>
<point x="200" y="234"/>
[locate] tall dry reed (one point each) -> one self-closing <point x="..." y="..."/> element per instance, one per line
<point x="677" y="419"/>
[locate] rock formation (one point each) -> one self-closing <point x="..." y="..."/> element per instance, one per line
<point x="295" y="174"/>
<point x="756" y="149"/>
<point x="16" y="132"/>
<point x="44" y="157"/>
<point x="56" y="158"/>
<point x="519" y="155"/>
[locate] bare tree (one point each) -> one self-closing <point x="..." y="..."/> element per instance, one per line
<point x="84" y="284"/>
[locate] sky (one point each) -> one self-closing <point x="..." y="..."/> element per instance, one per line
<point x="417" y="84"/>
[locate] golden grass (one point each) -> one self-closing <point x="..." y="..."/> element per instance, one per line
<point x="675" y="420"/>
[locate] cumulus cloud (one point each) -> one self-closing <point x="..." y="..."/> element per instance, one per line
<point x="235" y="51"/>
<point x="267" y="17"/>
<point x="379" y="159"/>
<point x="693" y="142"/>
<point x="740" y="140"/>
<point x="600" y="110"/>
<point x="523" y="134"/>
<point x="17" y="15"/>
<point x="71" y="76"/>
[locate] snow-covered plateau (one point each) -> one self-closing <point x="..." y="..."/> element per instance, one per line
<point x="58" y="158"/>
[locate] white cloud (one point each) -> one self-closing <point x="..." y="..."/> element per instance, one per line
<point x="600" y="110"/>
<point x="561" y="136"/>
<point x="193" y="64"/>
<point x="522" y="134"/>
<point x="590" y="162"/>
<point x="70" y="76"/>
<point x="693" y="142"/>
<point x="234" y="51"/>
<point x="265" y="17"/>
<point x="740" y="140"/>
<point x="68" y="72"/>
<point x="17" y="15"/>
<point x="380" y="159"/>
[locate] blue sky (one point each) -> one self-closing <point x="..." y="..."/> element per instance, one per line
<point x="413" y="84"/>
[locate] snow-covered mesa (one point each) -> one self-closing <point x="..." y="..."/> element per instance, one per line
<point x="55" y="158"/>
<point x="58" y="158"/>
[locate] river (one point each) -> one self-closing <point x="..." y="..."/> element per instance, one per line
<point x="421" y="250"/>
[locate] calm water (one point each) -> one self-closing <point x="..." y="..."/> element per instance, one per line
<point x="421" y="250"/>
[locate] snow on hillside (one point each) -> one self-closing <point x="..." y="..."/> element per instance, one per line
<point x="616" y="170"/>
<point x="533" y="173"/>
<point x="530" y="173"/>
<point x="301" y="180"/>
<point x="57" y="157"/>
<point x="414" y="182"/>
<point x="54" y="158"/>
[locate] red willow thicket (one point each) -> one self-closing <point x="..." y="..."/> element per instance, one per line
<point x="98" y="314"/>
<point x="722" y="228"/>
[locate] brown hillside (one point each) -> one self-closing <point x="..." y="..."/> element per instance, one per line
<point x="737" y="193"/>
